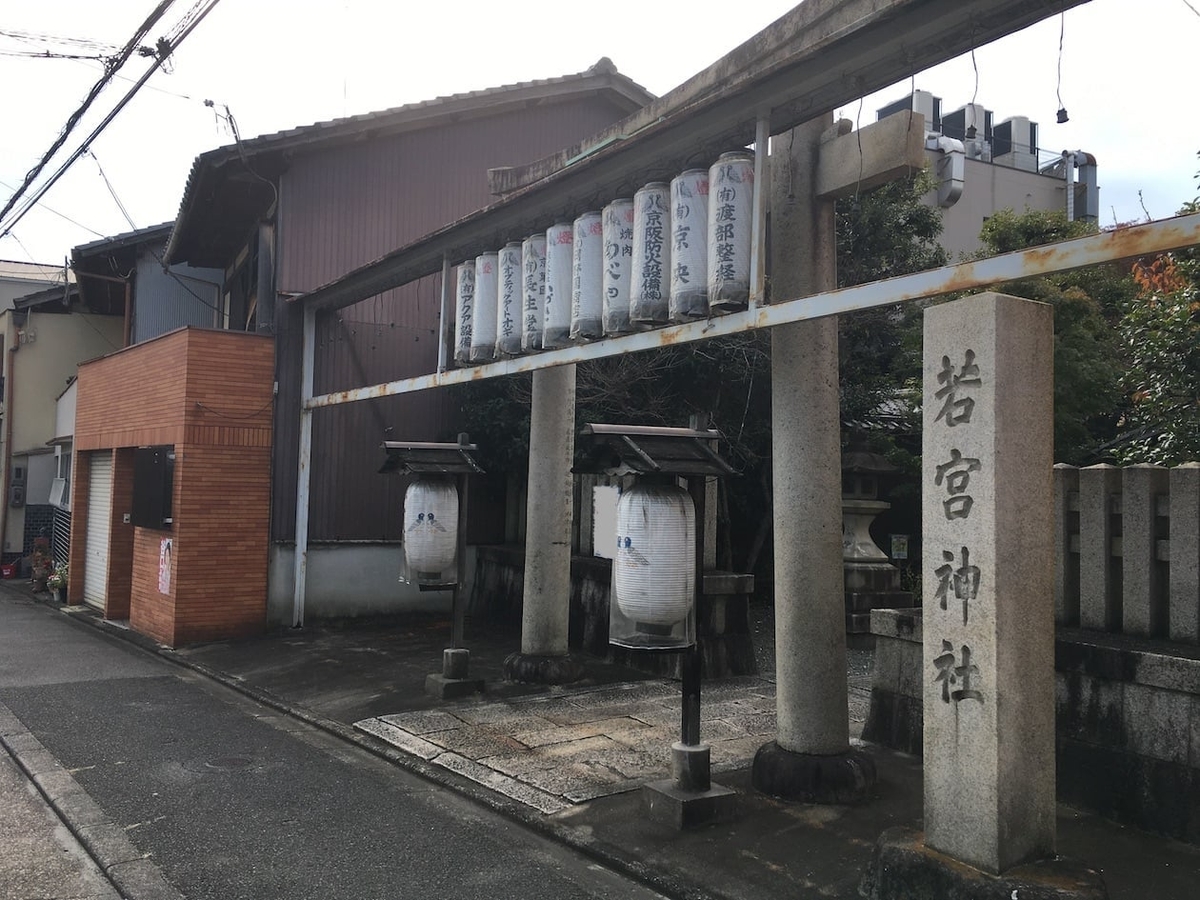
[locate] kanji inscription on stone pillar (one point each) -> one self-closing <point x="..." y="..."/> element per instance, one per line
<point x="988" y="520"/>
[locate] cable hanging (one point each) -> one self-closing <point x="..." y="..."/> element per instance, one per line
<point x="109" y="70"/>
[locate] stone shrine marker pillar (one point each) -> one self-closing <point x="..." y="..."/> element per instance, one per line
<point x="988" y="521"/>
<point x="988" y="659"/>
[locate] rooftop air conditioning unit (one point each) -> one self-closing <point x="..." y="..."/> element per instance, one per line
<point x="1014" y="144"/>
<point x="971" y="124"/>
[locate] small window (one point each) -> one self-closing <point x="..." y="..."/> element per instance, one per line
<point x="153" y="480"/>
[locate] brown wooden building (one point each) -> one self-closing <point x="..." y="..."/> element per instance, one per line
<point x="285" y="213"/>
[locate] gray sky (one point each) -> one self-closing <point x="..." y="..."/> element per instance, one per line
<point x="1127" y="82"/>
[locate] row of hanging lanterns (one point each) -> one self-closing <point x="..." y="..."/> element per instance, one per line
<point x="672" y="253"/>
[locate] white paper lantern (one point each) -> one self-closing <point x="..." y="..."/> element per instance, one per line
<point x="654" y="572"/>
<point x="431" y="529"/>
<point x="483" y="332"/>
<point x="508" y="301"/>
<point x="556" y="317"/>
<point x="533" y="290"/>
<point x="587" y="277"/>
<point x="689" y="245"/>
<point x="618" y="259"/>
<point x="650" y="289"/>
<point x="464" y="312"/>
<point x="730" y="215"/>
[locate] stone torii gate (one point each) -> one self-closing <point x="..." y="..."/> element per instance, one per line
<point x="822" y="54"/>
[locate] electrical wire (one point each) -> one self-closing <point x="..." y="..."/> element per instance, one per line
<point x="1062" y="31"/>
<point x="157" y="256"/>
<point x="165" y="49"/>
<point x="74" y="118"/>
<point x="60" y="215"/>
<point x="224" y="415"/>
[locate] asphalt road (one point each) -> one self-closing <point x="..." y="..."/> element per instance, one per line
<point x="232" y="800"/>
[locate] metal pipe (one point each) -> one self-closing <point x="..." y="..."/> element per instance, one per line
<point x="758" y="233"/>
<point x="304" y="466"/>
<point x="127" y="330"/>
<point x="1137" y="240"/>
<point x="10" y="378"/>
<point x="1069" y="175"/>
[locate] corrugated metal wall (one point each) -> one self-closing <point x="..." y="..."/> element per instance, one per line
<point x="342" y="208"/>
<point x="164" y="303"/>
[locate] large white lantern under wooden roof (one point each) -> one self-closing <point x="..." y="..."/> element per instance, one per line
<point x="431" y="530"/>
<point x="654" y="571"/>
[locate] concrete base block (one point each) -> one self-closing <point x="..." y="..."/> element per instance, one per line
<point x="903" y="868"/>
<point x="456" y="662"/>
<point x="841" y="778"/>
<point x="666" y="802"/>
<point x="529" y="669"/>
<point x="690" y="766"/>
<point x="445" y="688"/>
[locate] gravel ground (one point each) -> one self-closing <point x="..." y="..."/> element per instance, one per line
<point x="859" y="663"/>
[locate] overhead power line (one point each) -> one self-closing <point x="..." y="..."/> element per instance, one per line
<point x="166" y="47"/>
<point x="109" y="70"/>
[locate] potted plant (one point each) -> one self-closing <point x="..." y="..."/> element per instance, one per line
<point x="57" y="582"/>
<point x="41" y="564"/>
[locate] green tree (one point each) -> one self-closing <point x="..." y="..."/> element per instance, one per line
<point x="884" y="233"/>
<point x="1088" y="390"/>
<point x="1160" y="330"/>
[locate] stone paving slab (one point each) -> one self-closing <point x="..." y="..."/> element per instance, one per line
<point x="574" y="746"/>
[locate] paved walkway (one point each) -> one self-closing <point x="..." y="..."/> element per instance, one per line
<point x="497" y="749"/>
<point x="555" y="751"/>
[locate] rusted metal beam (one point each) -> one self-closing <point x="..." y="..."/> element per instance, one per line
<point x="821" y="55"/>
<point x="1138" y="240"/>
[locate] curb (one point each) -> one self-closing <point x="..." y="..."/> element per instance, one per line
<point x="133" y="875"/>
<point x="611" y="857"/>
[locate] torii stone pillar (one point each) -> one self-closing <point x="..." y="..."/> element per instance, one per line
<point x="545" y="613"/>
<point x="811" y="759"/>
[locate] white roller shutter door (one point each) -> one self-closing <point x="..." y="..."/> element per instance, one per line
<point x="99" y="518"/>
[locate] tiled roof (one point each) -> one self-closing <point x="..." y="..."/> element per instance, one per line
<point x="603" y="76"/>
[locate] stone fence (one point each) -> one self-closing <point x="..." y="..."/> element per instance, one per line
<point x="1127" y="648"/>
<point x="1128" y="550"/>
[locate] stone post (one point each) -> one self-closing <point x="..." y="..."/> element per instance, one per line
<point x="1144" y="602"/>
<point x="1099" y="584"/>
<point x="988" y="521"/>
<point x="988" y="656"/>
<point x="811" y="760"/>
<point x="1066" y="553"/>
<point x="545" y="614"/>
<point x="1185" y="553"/>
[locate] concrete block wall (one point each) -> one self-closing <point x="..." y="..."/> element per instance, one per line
<point x="1127" y="714"/>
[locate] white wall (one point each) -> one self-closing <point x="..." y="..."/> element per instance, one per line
<point x="64" y="412"/>
<point x="350" y="579"/>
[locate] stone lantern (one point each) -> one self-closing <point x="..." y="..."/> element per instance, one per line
<point x="871" y="581"/>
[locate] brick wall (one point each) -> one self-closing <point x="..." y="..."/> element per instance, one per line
<point x="209" y="394"/>
<point x="120" y="537"/>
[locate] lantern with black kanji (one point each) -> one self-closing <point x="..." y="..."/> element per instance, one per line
<point x="430" y="531"/>
<point x="654" y="571"/>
